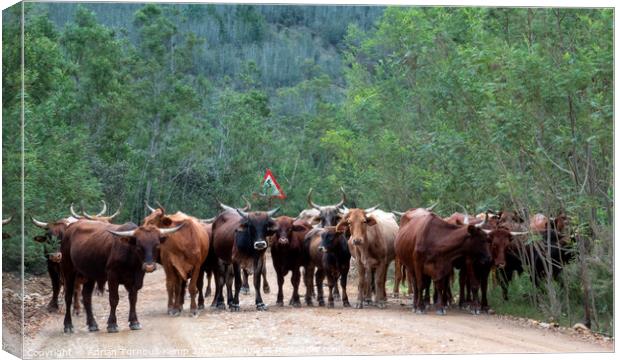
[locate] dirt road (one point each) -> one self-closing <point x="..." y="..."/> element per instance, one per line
<point x="290" y="331"/>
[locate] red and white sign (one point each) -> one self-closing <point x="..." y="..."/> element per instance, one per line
<point x="271" y="187"/>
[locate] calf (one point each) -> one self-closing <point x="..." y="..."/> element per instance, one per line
<point x="118" y="254"/>
<point x="372" y="234"/>
<point x="287" y="254"/>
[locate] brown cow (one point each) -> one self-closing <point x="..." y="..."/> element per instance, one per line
<point x="371" y="243"/>
<point x="240" y="241"/>
<point x="287" y="254"/>
<point x="118" y="254"/>
<point x="5" y="222"/>
<point x="182" y="256"/>
<point x="428" y="247"/>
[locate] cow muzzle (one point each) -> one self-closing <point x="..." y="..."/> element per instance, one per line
<point x="356" y="241"/>
<point x="322" y="249"/>
<point x="283" y="241"/>
<point x="55" y="257"/>
<point x="149" y="267"/>
<point x="260" y="245"/>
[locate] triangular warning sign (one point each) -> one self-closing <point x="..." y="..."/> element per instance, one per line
<point x="270" y="186"/>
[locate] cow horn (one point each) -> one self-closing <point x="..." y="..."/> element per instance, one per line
<point x="344" y="210"/>
<point x="398" y="213"/>
<point x="118" y="211"/>
<point x="148" y="207"/>
<point x="517" y="233"/>
<point x="272" y="212"/>
<point x="89" y="217"/>
<point x="243" y="214"/>
<point x="105" y="208"/>
<point x="430" y="208"/>
<point x="227" y="208"/>
<point x="248" y="206"/>
<point x="310" y="201"/>
<point x="208" y="221"/>
<point x="344" y="198"/>
<point x="6" y="221"/>
<point x="466" y="217"/>
<point x="486" y="231"/>
<point x="128" y="233"/>
<point x="170" y="230"/>
<point x="73" y="213"/>
<point x="486" y="219"/>
<point x="369" y="210"/>
<point x="40" y="224"/>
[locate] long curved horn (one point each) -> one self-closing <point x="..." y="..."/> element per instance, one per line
<point x="148" y="207"/>
<point x="430" y="208"/>
<point x="170" y="230"/>
<point x="369" y="210"/>
<point x="248" y="206"/>
<point x="128" y="233"/>
<point x="105" y="218"/>
<point x="242" y="213"/>
<point x="343" y="210"/>
<point x="208" y="221"/>
<point x="73" y="213"/>
<point x="118" y="211"/>
<point x="486" y="219"/>
<point x="486" y="231"/>
<point x="40" y="224"/>
<point x="466" y="218"/>
<point x="103" y="210"/>
<point x="6" y="221"/>
<point x="89" y="217"/>
<point x="272" y="212"/>
<point x="312" y="204"/>
<point x="227" y="208"/>
<point x="398" y="213"/>
<point x="344" y="198"/>
<point x="517" y="233"/>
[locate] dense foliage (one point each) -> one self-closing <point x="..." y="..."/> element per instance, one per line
<point x="186" y="104"/>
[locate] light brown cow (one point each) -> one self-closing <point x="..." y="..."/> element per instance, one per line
<point x="182" y="256"/>
<point x="371" y="243"/>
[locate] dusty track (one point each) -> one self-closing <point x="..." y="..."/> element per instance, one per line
<point x="290" y="331"/>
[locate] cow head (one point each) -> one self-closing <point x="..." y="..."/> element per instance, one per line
<point x="145" y="240"/>
<point x="330" y="239"/>
<point x="286" y="227"/>
<point x="559" y="222"/>
<point x="329" y="215"/>
<point x="356" y="223"/>
<point x="157" y="217"/>
<point x="498" y="239"/>
<point x="258" y="226"/>
<point x="54" y="231"/>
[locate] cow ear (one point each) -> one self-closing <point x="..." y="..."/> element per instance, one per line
<point x="166" y="221"/>
<point x="472" y="230"/>
<point x="129" y="240"/>
<point x="40" y="238"/>
<point x="162" y="239"/>
<point x="342" y="226"/>
<point x="299" y="228"/>
<point x="243" y="226"/>
<point x="371" y="221"/>
<point x="315" y="220"/>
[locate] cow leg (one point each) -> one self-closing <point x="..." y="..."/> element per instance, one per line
<point x="331" y="282"/>
<point x="362" y="285"/>
<point x="318" y="278"/>
<point x="69" y="288"/>
<point x="336" y="291"/>
<point x="54" y="274"/>
<point x="280" y="298"/>
<point x="237" y="276"/>
<point x="245" y="287"/>
<point x="87" y="296"/>
<point x="308" y="274"/>
<point x="418" y="286"/>
<point x="484" y="284"/>
<point x="209" y="274"/>
<point x="170" y="289"/>
<point x="258" y="270"/>
<point x="344" y="272"/>
<point x="266" y="288"/>
<point x="134" y="324"/>
<point x="193" y="290"/>
<point x="76" y="296"/>
<point x="200" y="284"/>
<point x="474" y="286"/>
<point x="295" y="277"/>
<point x="113" y="296"/>
<point x="398" y="278"/>
<point x="462" y="288"/>
<point x="380" y="278"/>
<point x="440" y="290"/>
<point x="220" y="280"/>
<point x="413" y="289"/>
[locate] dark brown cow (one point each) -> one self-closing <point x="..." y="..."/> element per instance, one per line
<point x="118" y="254"/>
<point x="182" y="256"/>
<point x="287" y="254"/>
<point x="428" y="247"/>
<point x="371" y="243"/>
<point x="240" y="241"/>
<point x="5" y="222"/>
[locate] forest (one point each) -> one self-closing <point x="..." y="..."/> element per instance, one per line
<point x="501" y="108"/>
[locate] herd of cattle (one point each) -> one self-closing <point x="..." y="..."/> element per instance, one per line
<point x="84" y="251"/>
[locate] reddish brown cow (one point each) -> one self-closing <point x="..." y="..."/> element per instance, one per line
<point x="182" y="256"/>
<point x="371" y="243"/>
<point x="118" y="254"/>
<point x="428" y="247"/>
<point x="287" y="254"/>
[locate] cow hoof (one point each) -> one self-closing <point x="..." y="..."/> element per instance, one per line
<point x="174" y="312"/>
<point x="367" y="302"/>
<point x="266" y="289"/>
<point x="261" y="307"/>
<point x="220" y="306"/>
<point x="280" y="303"/>
<point x="346" y="304"/>
<point x="475" y="312"/>
<point x="93" y="327"/>
<point x="69" y="329"/>
<point x="309" y="303"/>
<point x="330" y="305"/>
<point x="135" y="326"/>
<point x="381" y="305"/>
<point x="395" y="295"/>
<point x="194" y="313"/>
<point x="418" y="312"/>
<point x="244" y="290"/>
<point x="52" y="307"/>
<point x="359" y="305"/>
<point x="337" y="297"/>
<point x="321" y="303"/>
<point x="201" y="306"/>
<point x="441" y="312"/>
<point x="233" y="307"/>
<point x="112" y="328"/>
<point x="296" y="304"/>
